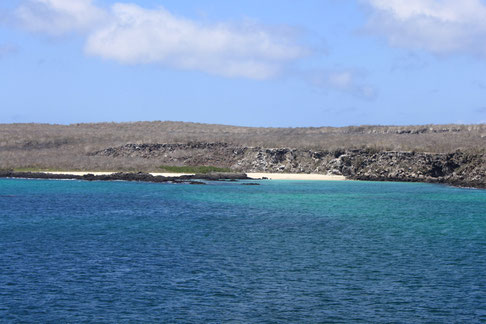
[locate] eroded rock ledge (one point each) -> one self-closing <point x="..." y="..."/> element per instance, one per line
<point x="467" y="169"/>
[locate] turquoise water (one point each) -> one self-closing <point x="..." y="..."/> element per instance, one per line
<point x="285" y="251"/>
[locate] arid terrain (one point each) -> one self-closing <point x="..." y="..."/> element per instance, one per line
<point x="434" y="153"/>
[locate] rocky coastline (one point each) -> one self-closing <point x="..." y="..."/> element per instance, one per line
<point x="459" y="168"/>
<point x="129" y="176"/>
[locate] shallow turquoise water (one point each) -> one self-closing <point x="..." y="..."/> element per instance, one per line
<point x="285" y="251"/>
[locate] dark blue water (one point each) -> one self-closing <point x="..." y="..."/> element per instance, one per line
<point x="284" y="251"/>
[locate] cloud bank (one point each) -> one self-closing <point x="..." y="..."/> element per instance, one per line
<point x="130" y="34"/>
<point x="137" y="35"/>
<point x="438" y="26"/>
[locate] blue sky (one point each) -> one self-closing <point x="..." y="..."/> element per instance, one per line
<point x="244" y="62"/>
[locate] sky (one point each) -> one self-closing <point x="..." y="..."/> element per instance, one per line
<point x="274" y="63"/>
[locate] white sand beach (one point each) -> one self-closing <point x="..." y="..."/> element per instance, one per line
<point x="296" y="176"/>
<point x="257" y="175"/>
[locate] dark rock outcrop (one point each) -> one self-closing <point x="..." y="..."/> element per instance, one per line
<point x="126" y="176"/>
<point x="457" y="168"/>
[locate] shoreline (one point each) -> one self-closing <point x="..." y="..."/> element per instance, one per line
<point x="125" y="176"/>
<point x="296" y="176"/>
<point x="104" y="173"/>
<point x="251" y="175"/>
<point x="196" y="178"/>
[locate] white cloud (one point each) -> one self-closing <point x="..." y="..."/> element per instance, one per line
<point x="130" y="34"/>
<point x="438" y="26"/>
<point x="137" y="35"/>
<point x="58" y="17"/>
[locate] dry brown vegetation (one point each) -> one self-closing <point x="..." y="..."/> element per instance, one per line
<point x="68" y="146"/>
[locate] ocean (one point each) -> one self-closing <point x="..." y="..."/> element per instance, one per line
<point x="281" y="252"/>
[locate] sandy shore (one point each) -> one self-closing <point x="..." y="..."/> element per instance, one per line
<point x="296" y="176"/>
<point x="271" y="176"/>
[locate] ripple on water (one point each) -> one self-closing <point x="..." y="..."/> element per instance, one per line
<point x="278" y="252"/>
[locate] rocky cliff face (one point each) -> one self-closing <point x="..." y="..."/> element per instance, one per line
<point x="457" y="168"/>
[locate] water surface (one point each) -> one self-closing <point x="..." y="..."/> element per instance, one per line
<point x="284" y="251"/>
